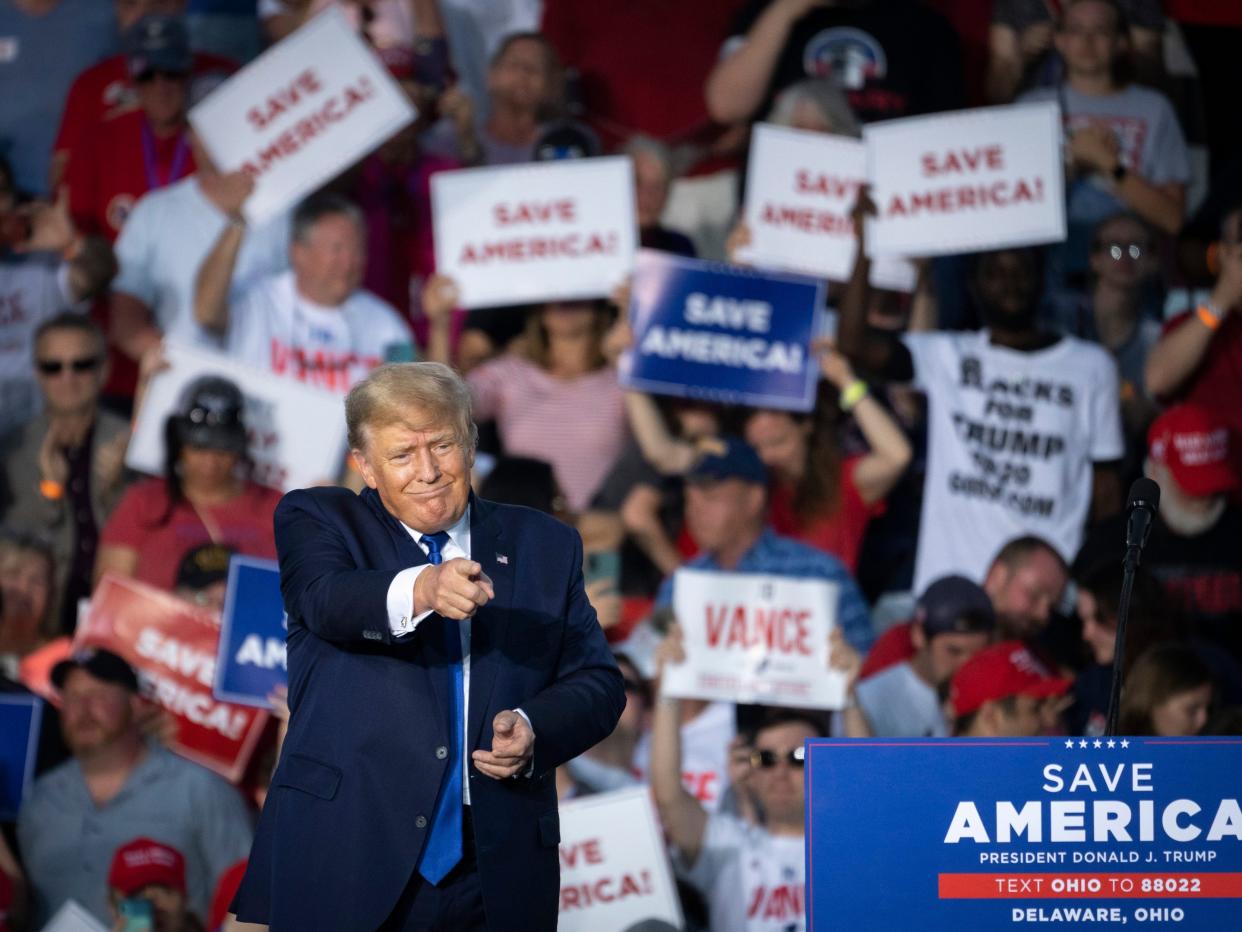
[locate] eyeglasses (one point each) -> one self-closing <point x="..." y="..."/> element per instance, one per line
<point x="57" y="366"/>
<point x="766" y="760"/>
<point x="149" y="76"/>
<point x="1118" y="251"/>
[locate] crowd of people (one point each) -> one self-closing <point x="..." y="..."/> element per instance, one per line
<point x="960" y="481"/>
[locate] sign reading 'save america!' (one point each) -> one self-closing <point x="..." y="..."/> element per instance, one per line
<point x="300" y="113"/>
<point x="1017" y="833"/>
<point x="520" y="234"/>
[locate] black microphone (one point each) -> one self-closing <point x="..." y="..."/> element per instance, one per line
<point x="1142" y="508"/>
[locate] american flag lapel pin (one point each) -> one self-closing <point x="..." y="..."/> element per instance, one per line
<point x="502" y="559"/>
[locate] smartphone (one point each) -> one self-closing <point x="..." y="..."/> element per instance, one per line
<point x="137" y="915"/>
<point x="602" y="565"/>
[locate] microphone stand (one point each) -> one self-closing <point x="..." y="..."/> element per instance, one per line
<point x="1130" y="566"/>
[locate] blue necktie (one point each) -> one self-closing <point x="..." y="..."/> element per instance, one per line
<point x="443" y="849"/>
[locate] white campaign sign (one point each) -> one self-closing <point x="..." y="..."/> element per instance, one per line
<point x="753" y="638"/>
<point x="614" y="869"/>
<point x="800" y="190"/>
<point x="964" y="181"/>
<point x="527" y="233"/>
<point x="300" y="113"/>
<point x="297" y="432"/>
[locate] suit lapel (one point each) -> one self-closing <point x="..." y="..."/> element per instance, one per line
<point x="487" y="632"/>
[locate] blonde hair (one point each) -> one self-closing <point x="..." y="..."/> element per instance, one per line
<point x="403" y="392"/>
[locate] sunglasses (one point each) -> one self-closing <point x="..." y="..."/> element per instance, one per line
<point x="57" y="366"/>
<point x="766" y="760"/>
<point x="149" y="76"/>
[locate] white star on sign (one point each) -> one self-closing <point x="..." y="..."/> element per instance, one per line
<point x="1125" y="743"/>
<point x="1112" y="743"/>
<point x="1098" y="743"/>
<point x="1082" y="743"/>
<point x="1069" y="743"/>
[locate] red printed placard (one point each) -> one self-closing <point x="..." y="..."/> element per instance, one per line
<point x="172" y="645"/>
<point x="755" y="638"/>
<point x="968" y="180"/>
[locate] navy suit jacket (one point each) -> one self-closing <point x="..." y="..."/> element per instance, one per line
<point x="352" y="799"/>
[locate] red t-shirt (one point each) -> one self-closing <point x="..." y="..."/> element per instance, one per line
<point x="105" y="90"/>
<point x="891" y="647"/>
<point x="245" y="524"/>
<point x="839" y="533"/>
<point x="1217" y="384"/>
<point x="642" y="64"/>
<point x="113" y="173"/>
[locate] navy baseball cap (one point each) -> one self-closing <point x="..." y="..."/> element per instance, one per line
<point x="158" y="43"/>
<point x="954" y="604"/>
<point x="99" y="663"/>
<point x="727" y="458"/>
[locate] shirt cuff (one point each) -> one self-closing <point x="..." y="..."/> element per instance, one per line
<point x="401" y="618"/>
<point x="530" y="770"/>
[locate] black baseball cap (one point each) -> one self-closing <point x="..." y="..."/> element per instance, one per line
<point x="954" y="604"/>
<point x="211" y="415"/>
<point x="99" y="663"/>
<point x="727" y="458"/>
<point x="203" y="566"/>
<point x="158" y="43"/>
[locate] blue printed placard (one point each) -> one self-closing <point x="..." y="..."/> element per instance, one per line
<point x="1024" y="833"/>
<point x="721" y="333"/>
<point x="251" y="658"/>
<point x="21" y="716"/>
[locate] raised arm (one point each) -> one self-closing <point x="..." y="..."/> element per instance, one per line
<point x="878" y="471"/>
<point x="737" y="85"/>
<point x="1180" y="351"/>
<point x="683" y="817"/>
<point x="215" y="275"/>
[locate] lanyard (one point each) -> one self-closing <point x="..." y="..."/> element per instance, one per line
<point x="148" y="158"/>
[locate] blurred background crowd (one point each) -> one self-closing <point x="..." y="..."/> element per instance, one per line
<point x="974" y="610"/>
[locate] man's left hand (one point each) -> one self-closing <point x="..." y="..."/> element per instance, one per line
<point x="513" y="744"/>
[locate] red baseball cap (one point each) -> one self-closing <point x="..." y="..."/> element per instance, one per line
<point x="1000" y="671"/>
<point x="1194" y="444"/>
<point x="143" y="862"/>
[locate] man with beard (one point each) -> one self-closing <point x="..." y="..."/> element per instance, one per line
<point x="115" y="787"/>
<point x="1023" y="425"/>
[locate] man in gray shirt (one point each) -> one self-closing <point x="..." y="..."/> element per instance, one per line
<point x="953" y="622"/>
<point x="116" y="788"/>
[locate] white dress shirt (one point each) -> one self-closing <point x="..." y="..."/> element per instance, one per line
<point x="403" y="622"/>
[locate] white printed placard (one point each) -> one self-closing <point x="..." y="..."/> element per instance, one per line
<point x="965" y="181"/>
<point x="297" y="433"/>
<point x="753" y="638"/>
<point x="301" y="113"/>
<point x="522" y="234"/>
<point x="614" y="868"/>
<point x="800" y="190"/>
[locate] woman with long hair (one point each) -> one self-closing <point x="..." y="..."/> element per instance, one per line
<point x="205" y="495"/>
<point x="1168" y="693"/>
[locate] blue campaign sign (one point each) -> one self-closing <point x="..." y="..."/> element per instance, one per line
<point x="251" y="658"/>
<point x="1024" y="833"/>
<point x="20" y="718"/>
<point x="721" y="333"/>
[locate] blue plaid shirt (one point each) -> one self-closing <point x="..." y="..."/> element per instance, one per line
<point x="783" y="556"/>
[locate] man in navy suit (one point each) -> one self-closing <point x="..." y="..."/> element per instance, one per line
<point x="443" y="660"/>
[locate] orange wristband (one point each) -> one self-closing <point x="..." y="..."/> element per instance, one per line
<point x="52" y="491"/>
<point x="1206" y="317"/>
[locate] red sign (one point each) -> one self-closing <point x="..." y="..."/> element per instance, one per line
<point x="172" y="645"/>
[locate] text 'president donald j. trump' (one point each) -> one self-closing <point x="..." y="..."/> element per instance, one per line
<point x="443" y="660"/>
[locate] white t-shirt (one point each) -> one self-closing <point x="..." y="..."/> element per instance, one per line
<point x="273" y="327"/>
<point x="898" y="704"/>
<point x="704" y="753"/>
<point x="32" y="289"/>
<point x="752" y="881"/>
<point x="164" y="242"/>
<point x="1011" y="440"/>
